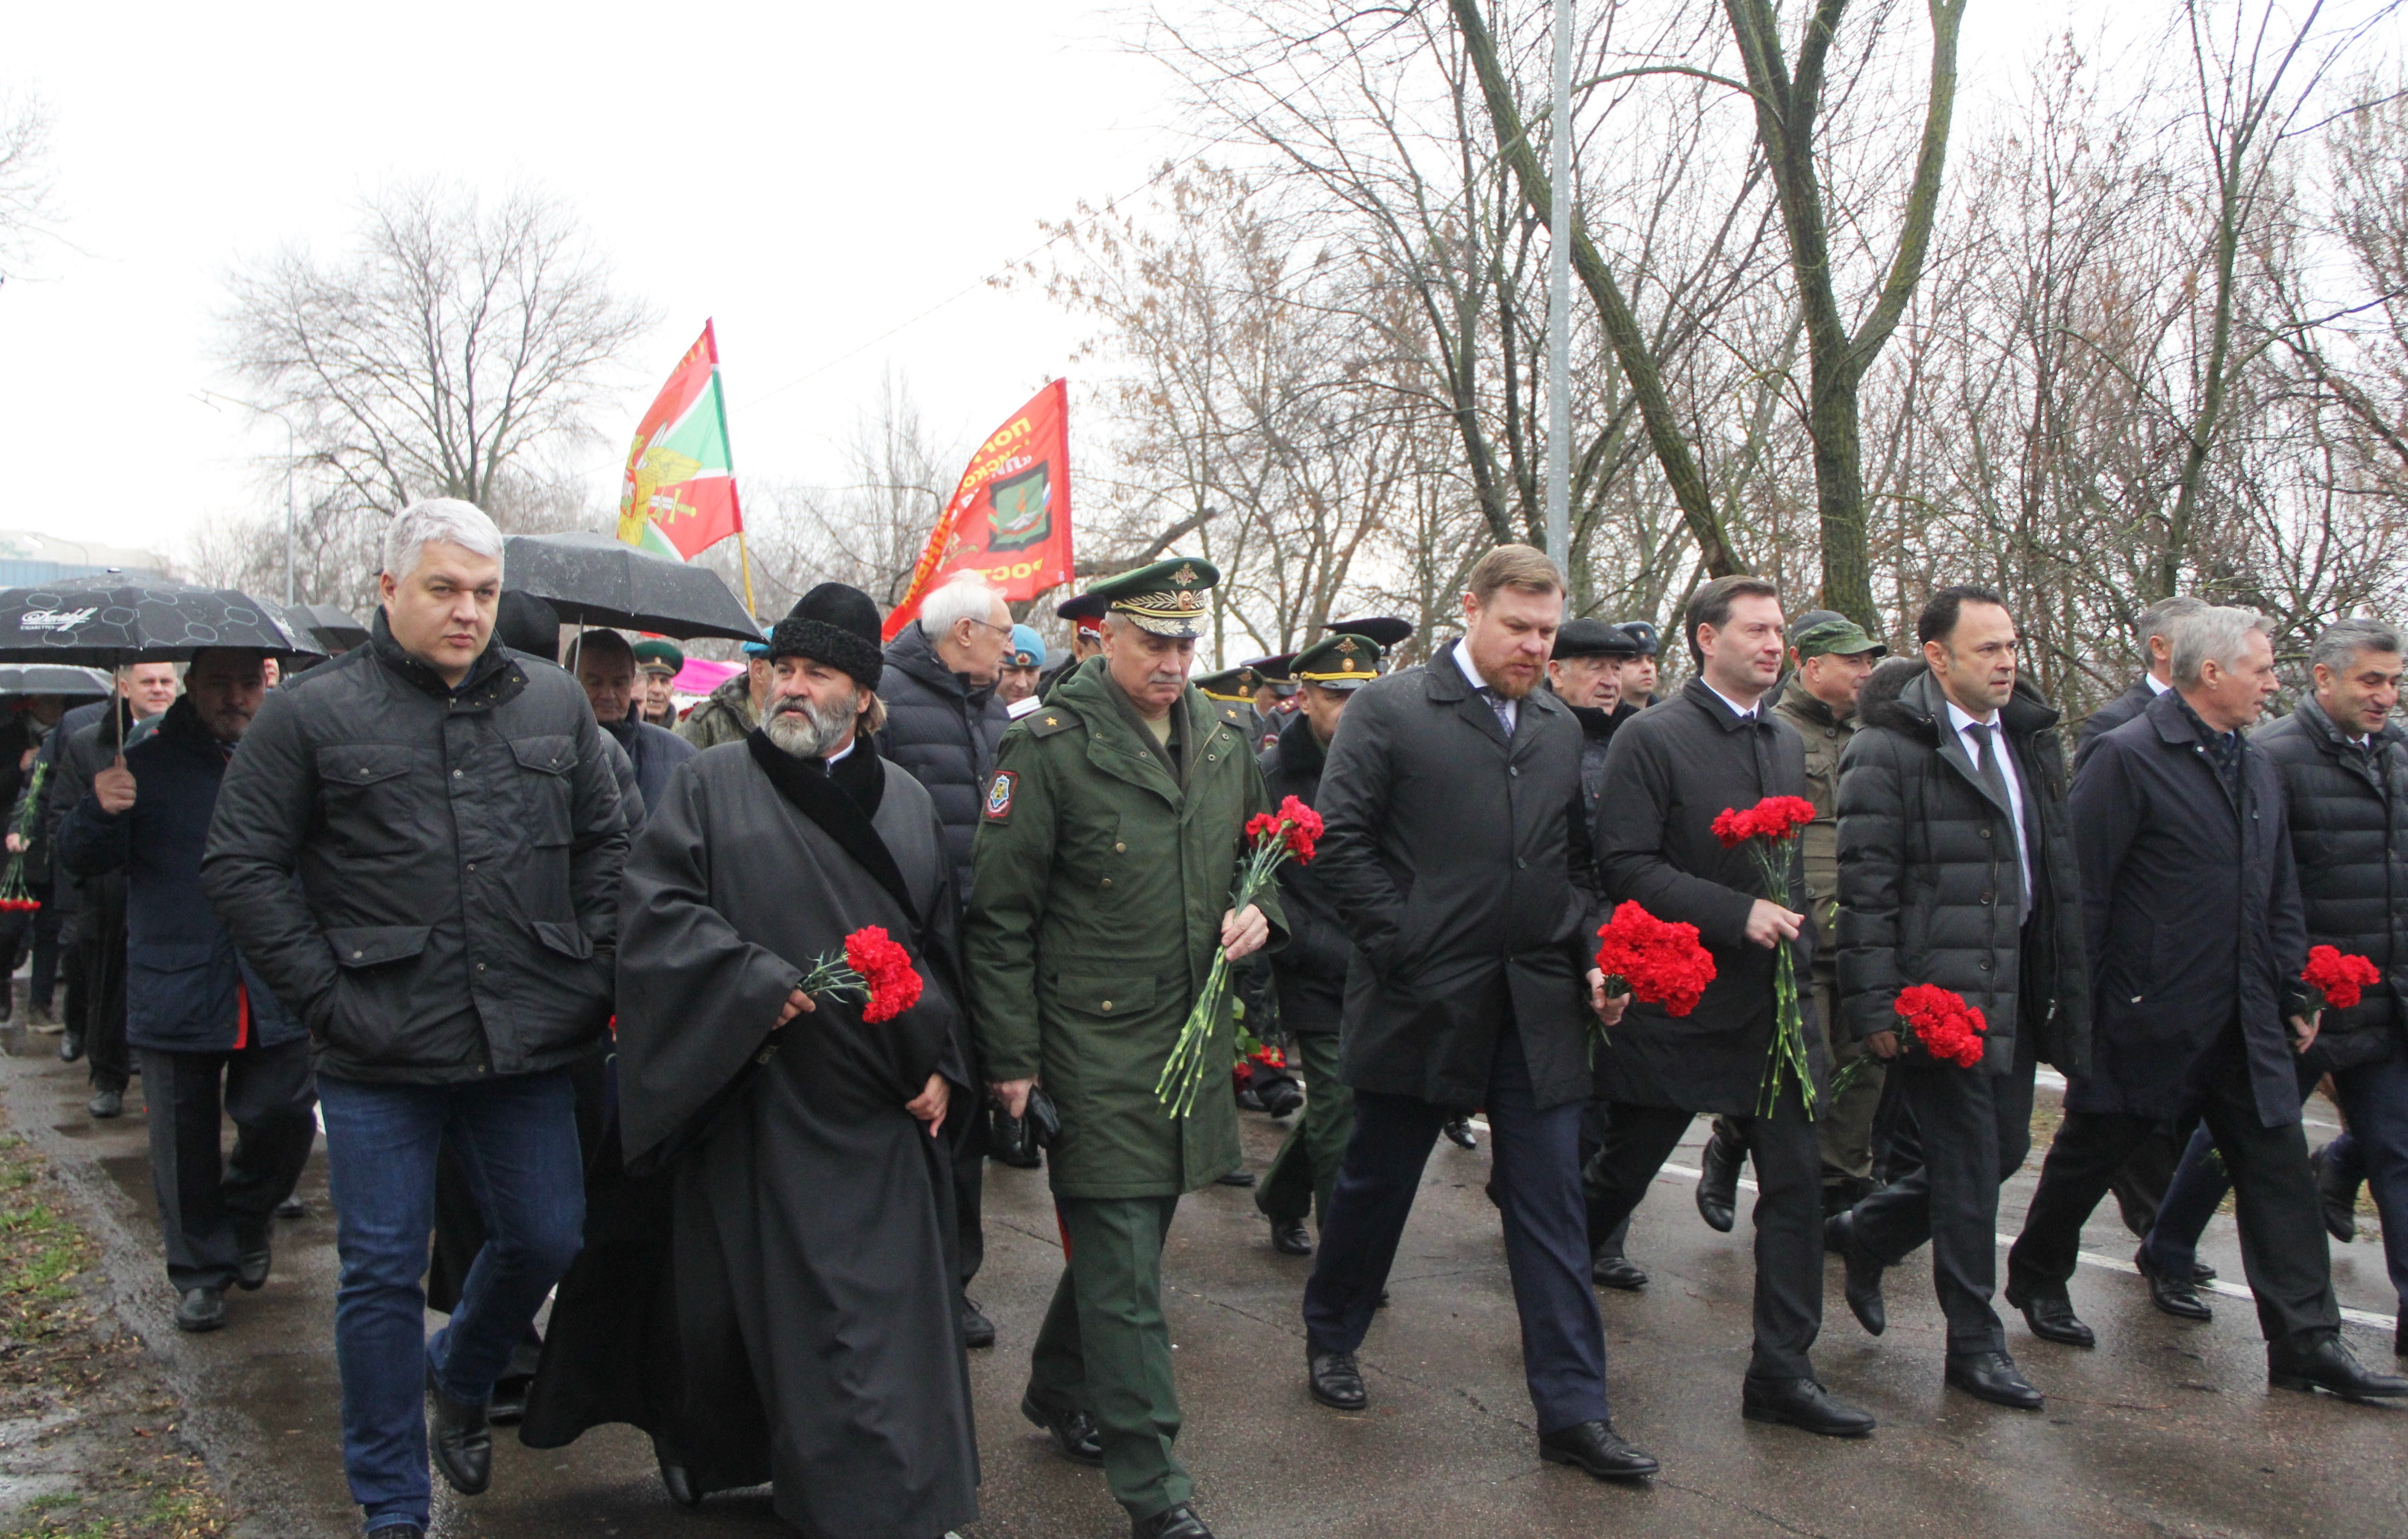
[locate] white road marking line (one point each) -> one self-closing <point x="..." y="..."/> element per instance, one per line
<point x="2088" y="1258"/>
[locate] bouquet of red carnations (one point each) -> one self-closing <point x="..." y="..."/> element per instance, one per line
<point x="15" y="897"/>
<point x="2338" y="977"/>
<point x="1940" y="1026"/>
<point x="1291" y="832"/>
<point x="1766" y="830"/>
<point x="875" y="972"/>
<point x="1652" y="960"/>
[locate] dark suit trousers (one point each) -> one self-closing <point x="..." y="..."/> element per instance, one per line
<point x="1788" y="1214"/>
<point x="1961" y="1132"/>
<point x="112" y="1060"/>
<point x="211" y="1210"/>
<point x="1536" y="1162"/>
<point x="2282" y="1233"/>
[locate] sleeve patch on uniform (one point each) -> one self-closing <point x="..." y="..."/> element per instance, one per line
<point x="998" y="795"/>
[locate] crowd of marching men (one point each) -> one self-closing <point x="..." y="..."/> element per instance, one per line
<point x="705" y="1024"/>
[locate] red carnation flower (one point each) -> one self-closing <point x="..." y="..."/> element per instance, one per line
<point x="1940" y="1021"/>
<point x="1652" y="960"/>
<point x="1735" y="828"/>
<point x="2339" y="976"/>
<point x="886" y="971"/>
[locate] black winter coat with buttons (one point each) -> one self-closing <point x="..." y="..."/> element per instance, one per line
<point x="1672" y="769"/>
<point x="2348" y="810"/>
<point x="1930" y="880"/>
<point x="2191" y="918"/>
<point x="458" y="854"/>
<point x="945" y="732"/>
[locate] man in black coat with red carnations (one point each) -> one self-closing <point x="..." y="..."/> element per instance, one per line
<point x="1957" y="871"/>
<point x="1672" y="770"/>
<point x="2195" y="931"/>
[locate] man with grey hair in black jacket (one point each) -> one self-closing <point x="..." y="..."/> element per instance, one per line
<point x="1957" y="871"/>
<point x="2194" y="935"/>
<point x="418" y="850"/>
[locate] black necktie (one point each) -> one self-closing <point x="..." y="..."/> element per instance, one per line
<point x="1986" y="764"/>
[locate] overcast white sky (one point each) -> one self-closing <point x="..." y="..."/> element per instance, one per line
<point x="815" y="176"/>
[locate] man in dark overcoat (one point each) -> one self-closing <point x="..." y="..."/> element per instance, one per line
<point x="2345" y="767"/>
<point x="2192" y="917"/>
<point x="1310" y="975"/>
<point x="1713" y="746"/>
<point x="1957" y="870"/>
<point x="1455" y="850"/>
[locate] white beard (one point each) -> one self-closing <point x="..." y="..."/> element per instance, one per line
<point x="808" y="731"/>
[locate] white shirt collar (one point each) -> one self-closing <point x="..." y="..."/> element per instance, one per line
<point x="1472" y="674"/>
<point x="2155" y="688"/>
<point x="1959" y="718"/>
<point x="1745" y="713"/>
<point x="845" y="752"/>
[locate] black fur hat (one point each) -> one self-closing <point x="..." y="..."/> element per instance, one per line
<point x="834" y="624"/>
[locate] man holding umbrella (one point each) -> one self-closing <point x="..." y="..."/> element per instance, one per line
<point x="214" y="1039"/>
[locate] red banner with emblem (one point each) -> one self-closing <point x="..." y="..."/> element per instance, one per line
<point x="1010" y="517"/>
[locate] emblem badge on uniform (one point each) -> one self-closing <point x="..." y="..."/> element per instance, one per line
<point x="999" y="794"/>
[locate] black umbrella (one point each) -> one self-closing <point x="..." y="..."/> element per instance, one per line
<point x="52" y="678"/>
<point x="593" y="579"/>
<point x="112" y="618"/>
<point x="328" y="625"/>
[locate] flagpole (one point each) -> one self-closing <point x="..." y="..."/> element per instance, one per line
<point x="743" y="557"/>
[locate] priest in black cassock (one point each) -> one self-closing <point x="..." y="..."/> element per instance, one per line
<point x="767" y="1281"/>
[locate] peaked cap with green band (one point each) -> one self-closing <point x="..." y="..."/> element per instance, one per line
<point x="1343" y="661"/>
<point x="1230" y="684"/>
<point x="1165" y="598"/>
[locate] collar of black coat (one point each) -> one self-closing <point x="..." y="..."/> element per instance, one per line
<point x="2177" y="723"/>
<point x="1701" y="694"/>
<point x="494" y="678"/>
<point x="842" y="803"/>
<point x="2312" y="717"/>
<point x="1903" y="695"/>
<point x="915" y="654"/>
<point x="182" y="727"/>
<point x="1300" y="752"/>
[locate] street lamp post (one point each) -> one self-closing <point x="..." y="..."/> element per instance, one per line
<point x="1559" y="278"/>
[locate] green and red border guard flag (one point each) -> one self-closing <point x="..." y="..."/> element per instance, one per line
<point x="679" y="495"/>
<point x="1010" y="518"/>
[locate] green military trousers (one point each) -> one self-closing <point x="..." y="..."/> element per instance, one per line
<point x="1305" y="1170"/>
<point x="1105" y="1348"/>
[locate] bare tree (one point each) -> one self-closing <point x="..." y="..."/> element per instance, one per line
<point x="28" y="210"/>
<point x="458" y="350"/>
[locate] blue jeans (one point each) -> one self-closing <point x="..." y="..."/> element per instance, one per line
<point x="517" y="1134"/>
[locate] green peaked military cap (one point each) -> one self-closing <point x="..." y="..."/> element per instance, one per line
<point x="1343" y="661"/>
<point x="1821" y="633"/>
<point x="1165" y="598"/>
<point x="1230" y="684"/>
<point x="653" y="655"/>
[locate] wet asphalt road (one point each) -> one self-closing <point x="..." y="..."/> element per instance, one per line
<point x="2166" y="1428"/>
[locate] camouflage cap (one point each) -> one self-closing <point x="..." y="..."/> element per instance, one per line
<point x="1835" y="636"/>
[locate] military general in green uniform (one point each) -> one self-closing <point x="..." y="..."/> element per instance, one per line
<point x="1104" y="861"/>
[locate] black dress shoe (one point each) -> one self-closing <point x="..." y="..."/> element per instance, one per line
<point x="1864" y="1273"/>
<point x="1718" y="1183"/>
<point x="2202" y="1273"/>
<point x="977" y="1330"/>
<point x="1249" y="1100"/>
<point x="397" y="1531"/>
<point x="2329" y="1367"/>
<point x="1281" y="1099"/>
<point x="461" y="1442"/>
<point x="107" y="1103"/>
<point x="1337" y="1381"/>
<point x="1993" y="1376"/>
<point x="2336" y="1196"/>
<point x="1802" y="1403"/>
<point x="251" y="1263"/>
<point x="1074" y="1432"/>
<point x="1289" y="1237"/>
<point x="70" y="1047"/>
<point x="292" y="1208"/>
<point x="1179" y="1523"/>
<point x="1458" y="1132"/>
<point x="2053" y="1320"/>
<point x="2173" y="1295"/>
<point x="1237" y="1178"/>
<point x="201" y="1309"/>
<point x="1597" y="1448"/>
<point x="1611" y="1268"/>
<point x="680" y="1484"/>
